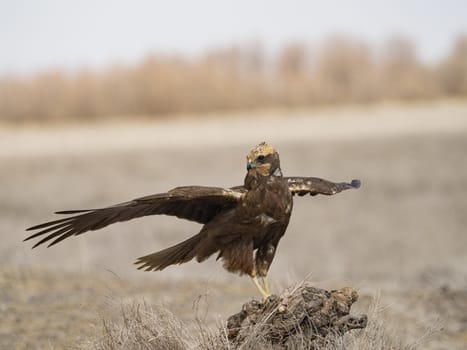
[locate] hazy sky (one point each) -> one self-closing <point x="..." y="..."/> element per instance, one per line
<point x="36" y="34"/>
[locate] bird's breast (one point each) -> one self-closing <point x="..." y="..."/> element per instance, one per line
<point x="268" y="203"/>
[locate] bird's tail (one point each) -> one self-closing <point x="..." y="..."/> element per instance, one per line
<point x="177" y="254"/>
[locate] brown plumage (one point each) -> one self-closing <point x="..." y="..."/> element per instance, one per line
<point x="242" y="224"/>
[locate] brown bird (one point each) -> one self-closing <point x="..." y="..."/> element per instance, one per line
<point x="242" y="224"/>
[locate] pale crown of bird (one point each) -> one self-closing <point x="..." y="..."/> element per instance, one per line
<point x="262" y="149"/>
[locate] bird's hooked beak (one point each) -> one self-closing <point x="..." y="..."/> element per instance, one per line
<point x="250" y="164"/>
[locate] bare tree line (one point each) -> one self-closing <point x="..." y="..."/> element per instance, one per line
<point x="341" y="70"/>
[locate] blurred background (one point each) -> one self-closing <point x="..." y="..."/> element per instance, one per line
<point x="101" y="102"/>
<point x="64" y="61"/>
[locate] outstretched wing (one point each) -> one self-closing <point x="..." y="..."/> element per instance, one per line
<point x="195" y="203"/>
<point x="313" y="186"/>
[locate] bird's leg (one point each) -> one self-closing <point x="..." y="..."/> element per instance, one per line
<point x="264" y="294"/>
<point x="263" y="259"/>
<point x="265" y="283"/>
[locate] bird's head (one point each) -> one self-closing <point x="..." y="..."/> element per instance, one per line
<point x="264" y="160"/>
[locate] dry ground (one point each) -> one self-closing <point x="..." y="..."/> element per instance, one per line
<point x="401" y="236"/>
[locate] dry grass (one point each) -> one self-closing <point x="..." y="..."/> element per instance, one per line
<point x="46" y="310"/>
<point x="342" y="70"/>
<point x="137" y="325"/>
<point x="140" y="326"/>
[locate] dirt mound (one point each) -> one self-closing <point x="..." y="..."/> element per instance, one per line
<point x="306" y="312"/>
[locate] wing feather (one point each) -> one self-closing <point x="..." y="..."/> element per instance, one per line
<point x="194" y="203"/>
<point x="314" y="185"/>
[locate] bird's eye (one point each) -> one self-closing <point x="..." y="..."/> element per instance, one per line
<point x="260" y="158"/>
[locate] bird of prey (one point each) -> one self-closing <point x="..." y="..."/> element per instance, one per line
<point x="242" y="224"/>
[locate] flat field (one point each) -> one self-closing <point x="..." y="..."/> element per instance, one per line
<point x="401" y="238"/>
